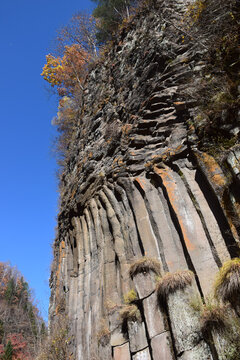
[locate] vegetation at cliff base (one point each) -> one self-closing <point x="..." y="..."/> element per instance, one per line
<point x="56" y="345"/>
<point x="21" y="326"/>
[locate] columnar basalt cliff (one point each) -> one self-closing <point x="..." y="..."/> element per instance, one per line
<point x="146" y="218"/>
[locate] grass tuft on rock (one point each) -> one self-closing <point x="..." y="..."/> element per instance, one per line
<point x="104" y="333"/>
<point x="144" y="266"/>
<point x="130" y="313"/>
<point x="172" y="282"/>
<point x="227" y="283"/>
<point x="213" y="317"/>
<point x="130" y="297"/>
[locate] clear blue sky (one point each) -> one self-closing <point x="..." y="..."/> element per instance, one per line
<point x="28" y="185"/>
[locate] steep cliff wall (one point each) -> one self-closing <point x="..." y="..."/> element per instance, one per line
<point x="139" y="200"/>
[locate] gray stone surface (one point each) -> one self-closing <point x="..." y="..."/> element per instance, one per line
<point x="199" y="352"/>
<point x="136" y="184"/>
<point x="145" y="284"/>
<point x="209" y="219"/>
<point x="161" y="347"/>
<point x="154" y="318"/>
<point x="142" y="355"/>
<point x="233" y="161"/>
<point x="185" y="321"/>
<point x="137" y="336"/>
<point x="194" y="236"/>
<point x="121" y="352"/>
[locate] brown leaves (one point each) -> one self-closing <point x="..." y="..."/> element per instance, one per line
<point x="68" y="71"/>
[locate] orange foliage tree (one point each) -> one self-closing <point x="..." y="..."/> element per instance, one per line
<point x="19" y="347"/>
<point x="66" y="72"/>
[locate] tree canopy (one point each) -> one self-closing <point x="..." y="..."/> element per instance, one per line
<point x="66" y="72"/>
<point x="20" y="322"/>
<point x="110" y="14"/>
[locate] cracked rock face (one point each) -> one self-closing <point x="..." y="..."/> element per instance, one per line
<point x="136" y="186"/>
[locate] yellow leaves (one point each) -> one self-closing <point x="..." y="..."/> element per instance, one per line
<point x="195" y="11"/>
<point x="52" y="69"/>
<point x="66" y="70"/>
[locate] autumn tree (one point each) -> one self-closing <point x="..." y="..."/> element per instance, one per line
<point x="20" y="322"/>
<point x="66" y="72"/>
<point x="75" y="47"/>
<point x="80" y="30"/>
<point x="65" y="121"/>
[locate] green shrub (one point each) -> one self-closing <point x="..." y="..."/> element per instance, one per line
<point x="8" y="352"/>
<point x="130" y="297"/>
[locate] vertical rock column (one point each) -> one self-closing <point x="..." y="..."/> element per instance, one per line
<point x="175" y="293"/>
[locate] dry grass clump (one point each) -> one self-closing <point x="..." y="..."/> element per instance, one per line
<point x="218" y="318"/>
<point x="104" y="333"/>
<point x="111" y="306"/>
<point x="213" y="317"/>
<point x="227" y="283"/>
<point x="144" y="266"/>
<point x="130" y="313"/>
<point x="170" y="283"/>
<point x="61" y="306"/>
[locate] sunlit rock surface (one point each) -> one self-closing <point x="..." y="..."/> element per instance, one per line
<point x="136" y="185"/>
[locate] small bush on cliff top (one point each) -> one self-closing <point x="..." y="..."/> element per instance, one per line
<point x="170" y="283"/>
<point x="145" y="265"/>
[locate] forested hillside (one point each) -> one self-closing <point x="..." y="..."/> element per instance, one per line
<point x="21" y="326"/>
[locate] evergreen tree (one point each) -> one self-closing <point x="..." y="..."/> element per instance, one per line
<point x="33" y="321"/>
<point x="20" y="322"/>
<point x="110" y="14"/>
<point x="1" y="330"/>
<point x="43" y="330"/>
<point x="8" y="352"/>
<point x="10" y="292"/>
